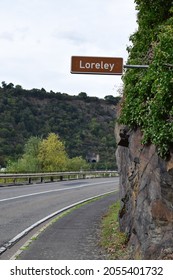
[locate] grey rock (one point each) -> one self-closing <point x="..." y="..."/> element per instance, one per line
<point x="146" y="190"/>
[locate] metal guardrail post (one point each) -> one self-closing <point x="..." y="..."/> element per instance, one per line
<point x="51" y="178"/>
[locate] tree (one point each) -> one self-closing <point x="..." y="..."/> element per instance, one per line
<point x="32" y="146"/>
<point x="83" y="95"/>
<point x="4" y="85"/>
<point x="9" y="86"/>
<point x="111" y="99"/>
<point x="52" y="154"/>
<point x="77" y="164"/>
<point x="30" y="157"/>
<point x="29" y="161"/>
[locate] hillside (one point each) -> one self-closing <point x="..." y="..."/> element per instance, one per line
<point x="85" y="124"/>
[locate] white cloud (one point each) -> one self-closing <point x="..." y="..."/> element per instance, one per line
<point x="38" y="38"/>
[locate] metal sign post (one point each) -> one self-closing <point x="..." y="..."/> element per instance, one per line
<point x="136" y="66"/>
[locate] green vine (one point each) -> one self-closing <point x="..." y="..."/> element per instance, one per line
<point x="149" y="92"/>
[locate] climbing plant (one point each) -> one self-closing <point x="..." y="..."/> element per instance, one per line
<point x="148" y="93"/>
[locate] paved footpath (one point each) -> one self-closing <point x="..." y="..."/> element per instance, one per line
<point x="74" y="236"/>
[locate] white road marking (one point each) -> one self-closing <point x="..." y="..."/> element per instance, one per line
<point x="51" y="191"/>
<point x="27" y="230"/>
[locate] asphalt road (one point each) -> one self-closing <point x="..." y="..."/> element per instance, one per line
<point x="22" y="206"/>
<point x="75" y="236"/>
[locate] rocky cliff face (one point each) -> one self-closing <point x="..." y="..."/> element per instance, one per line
<point x="146" y="186"/>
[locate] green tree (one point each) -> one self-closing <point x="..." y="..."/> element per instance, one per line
<point x="29" y="161"/>
<point x="52" y="155"/>
<point x="32" y="146"/>
<point x="30" y="157"/>
<point x="77" y="164"/>
<point x="83" y="95"/>
<point x="112" y="100"/>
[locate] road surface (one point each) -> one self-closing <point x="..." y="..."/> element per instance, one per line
<point x="75" y="236"/>
<point x="22" y="206"/>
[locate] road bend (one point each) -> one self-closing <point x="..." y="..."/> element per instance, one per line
<point x="23" y="206"/>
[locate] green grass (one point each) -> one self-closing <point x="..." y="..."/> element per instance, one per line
<point x="112" y="239"/>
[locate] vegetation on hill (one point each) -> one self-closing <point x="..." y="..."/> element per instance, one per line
<point x="46" y="155"/>
<point x="148" y="93"/>
<point x="84" y="124"/>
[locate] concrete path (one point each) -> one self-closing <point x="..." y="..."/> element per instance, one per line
<point x="74" y="236"/>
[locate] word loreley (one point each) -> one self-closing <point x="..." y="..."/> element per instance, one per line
<point x="96" y="65"/>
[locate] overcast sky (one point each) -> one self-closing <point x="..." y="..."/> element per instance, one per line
<point x="38" y="38"/>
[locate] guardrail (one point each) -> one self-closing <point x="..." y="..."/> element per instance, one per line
<point x="29" y="178"/>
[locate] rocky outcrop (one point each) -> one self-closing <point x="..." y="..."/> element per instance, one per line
<point x="146" y="186"/>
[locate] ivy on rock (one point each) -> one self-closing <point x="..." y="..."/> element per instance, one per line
<point x="148" y="101"/>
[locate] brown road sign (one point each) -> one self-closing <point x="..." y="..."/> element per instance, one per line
<point x="96" y="65"/>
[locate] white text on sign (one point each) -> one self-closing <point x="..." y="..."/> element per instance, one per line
<point x="97" y="66"/>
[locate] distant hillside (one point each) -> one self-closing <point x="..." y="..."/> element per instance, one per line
<point x="86" y="124"/>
